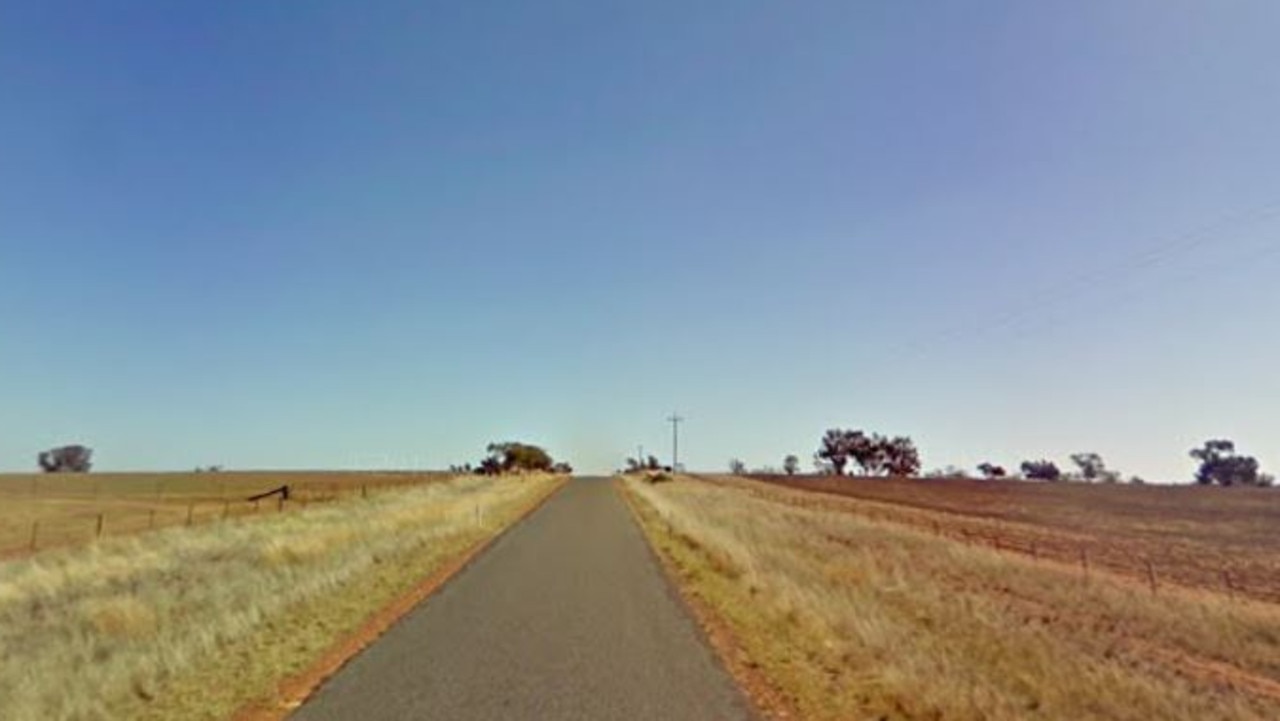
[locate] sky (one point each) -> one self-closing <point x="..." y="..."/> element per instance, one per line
<point x="382" y="234"/>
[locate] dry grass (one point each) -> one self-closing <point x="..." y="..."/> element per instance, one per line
<point x="193" y="623"/>
<point x="853" y="618"/>
<point x="66" y="507"/>
<point x="1212" y="538"/>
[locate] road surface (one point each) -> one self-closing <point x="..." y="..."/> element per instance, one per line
<point x="568" y="616"/>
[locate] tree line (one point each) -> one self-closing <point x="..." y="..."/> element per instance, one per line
<point x="1220" y="464"/>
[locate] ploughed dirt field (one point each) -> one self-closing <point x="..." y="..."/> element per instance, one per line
<point x="1222" y="539"/>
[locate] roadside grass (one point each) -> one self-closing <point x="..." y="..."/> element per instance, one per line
<point x="853" y="618"/>
<point x="194" y="623"/>
<point x="1195" y="536"/>
<point x="65" y="507"/>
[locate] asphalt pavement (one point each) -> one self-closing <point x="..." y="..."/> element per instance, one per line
<point x="568" y="616"/>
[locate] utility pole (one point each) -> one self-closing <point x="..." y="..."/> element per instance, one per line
<point x="675" y="421"/>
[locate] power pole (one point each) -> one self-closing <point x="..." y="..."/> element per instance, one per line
<point x="675" y="421"/>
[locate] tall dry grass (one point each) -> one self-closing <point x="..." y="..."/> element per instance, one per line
<point x="109" y="630"/>
<point x="852" y="618"/>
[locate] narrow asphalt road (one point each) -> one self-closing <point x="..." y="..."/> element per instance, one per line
<point x="566" y="617"/>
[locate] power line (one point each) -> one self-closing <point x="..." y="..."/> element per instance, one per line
<point x="1144" y="260"/>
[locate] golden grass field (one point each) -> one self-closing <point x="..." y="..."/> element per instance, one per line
<point x="45" y="510"/>
<point x="196" y="622"/>
<point x="1221" y="539"/>
<point x="849" y="616"/>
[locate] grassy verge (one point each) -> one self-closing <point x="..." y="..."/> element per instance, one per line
<point x="853" y="618"/>
<point x="194" y="623"/>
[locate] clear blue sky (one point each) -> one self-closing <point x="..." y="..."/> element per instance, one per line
<point x="324" y="234"/>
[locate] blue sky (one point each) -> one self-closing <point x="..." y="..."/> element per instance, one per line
<point x="364" y="234"/>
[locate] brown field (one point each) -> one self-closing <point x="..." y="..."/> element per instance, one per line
<point x="1223" y="539"/>
<point x="831" y="607"/>
<point x="46" y="510"/>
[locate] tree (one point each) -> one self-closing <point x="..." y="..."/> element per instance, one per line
<point x="509" y="456"/>
<point x="1221" y="465"/>
<point x="653" y="464"/>
<point x="1041" y="470"/>
<point x="901" y="456"/>
<point x="1091" y="466"/>
<point x="990" y="470"/>
<point x="737" y="467"/>
<point x="562" y="467"/>
<point x="66" y="459"/>
<point x="791" y="465"/>
<point x="835" y="449"/>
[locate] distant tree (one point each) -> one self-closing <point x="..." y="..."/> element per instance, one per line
<point x="1091" y="466"/>
<point x="1137" y="481"/>
<point x="835" y="449"/>
<point x="562" y="467"/>
<point x="512" y="457"/>
<point x="653" y="464"/>
<point x="901" y="456"/>
<point x="66" y="459"/>
<point x="737" y="467"/>
<point x="947" y="472"/>
<point x="791" y="465"/>
<point x="991" y="470"/>
<point x="870" y="452"/>
<point x="1221" y="465"/>
<point x="1041" y="470"/>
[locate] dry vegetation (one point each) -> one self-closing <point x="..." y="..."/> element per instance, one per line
<point x="64" y="508"/>
<point x="851" y="617"/>
<point x="1223" y="539"/>
<point x="192" y="623"/>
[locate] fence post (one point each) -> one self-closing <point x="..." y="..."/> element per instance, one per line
<point x="101" y="521"/>
<point x="35" y="533"/>
<point x="1151" y="575"/>
<point x="191" y="508"/>
<point x="280" y="504"/>
<point x="1084" y="561"/>
<point x="364" y="491"/>
<point x="1226" y="581"/>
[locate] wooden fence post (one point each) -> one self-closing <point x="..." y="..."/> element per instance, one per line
<point x="101" y="522"/>
<point x="1226" y="581"/>
<point x="35" y="533"/>
<point x="280" y="504"/>
<point x="1151" y="575"/>
<point x="1084" y="561"/>
<point x="191" y="508"/>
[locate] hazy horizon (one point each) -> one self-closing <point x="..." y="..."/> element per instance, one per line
<point x="328" y="235"/>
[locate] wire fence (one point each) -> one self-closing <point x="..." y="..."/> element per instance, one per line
<point x="38" y="519"/>
<point x="1158" y="565"/>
